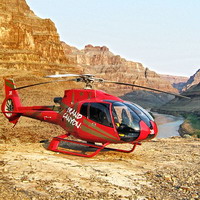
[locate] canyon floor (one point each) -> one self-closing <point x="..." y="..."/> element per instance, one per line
<point x="158" y="169"/>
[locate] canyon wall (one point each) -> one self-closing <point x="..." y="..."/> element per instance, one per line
<point x="177" y="82"/>
<point x="185" y="106"/>
<point x="193" y="80"/>
<point x="27" y="41"/>
<point x="103" y="63"/>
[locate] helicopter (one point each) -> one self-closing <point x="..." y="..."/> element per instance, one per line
<point x="92" y="116"/>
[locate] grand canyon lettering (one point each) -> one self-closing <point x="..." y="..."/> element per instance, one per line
<point x="71" y="116"/>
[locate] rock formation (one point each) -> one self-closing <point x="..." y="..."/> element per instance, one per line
<point x="184" y="106"/>
<point x="103" y="63"/>
<point x="177" y="82"/>
<point x="27" y="41"/>
<point x="147" y="99"/>
<point x="193" y="80"/>
<point x="182" y="83"/>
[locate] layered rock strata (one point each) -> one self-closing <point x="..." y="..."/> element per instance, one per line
<point x="103" y="63"/>
<point x="177" y="82"/>
<point x="27" y="41"/>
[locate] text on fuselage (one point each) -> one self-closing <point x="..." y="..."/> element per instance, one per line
<point x="71" y="116"/>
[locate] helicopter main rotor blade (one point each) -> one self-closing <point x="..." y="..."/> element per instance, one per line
<point x="148" y="88"/>
<point x="85" y="76"/>
<point x="61" y="75"/>
<point x="42" y="83"/>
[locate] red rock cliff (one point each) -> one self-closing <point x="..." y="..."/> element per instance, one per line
<point x="27" y="41"/>
<point x="101" y="62"/>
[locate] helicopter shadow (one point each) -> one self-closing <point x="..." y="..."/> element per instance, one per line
<point x="76" y="148"/>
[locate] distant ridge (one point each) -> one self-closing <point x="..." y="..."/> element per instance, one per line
<point x="99" y="60"/>
<point x="184" y="106"/>
<point x="177" y="82"/>
<point x="193" y="80"/>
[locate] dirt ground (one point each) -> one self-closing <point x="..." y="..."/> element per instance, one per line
<point x="158" y="169"/>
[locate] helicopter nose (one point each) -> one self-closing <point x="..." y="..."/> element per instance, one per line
<point x="147" y="132"/>
<point x="153" y="130"/>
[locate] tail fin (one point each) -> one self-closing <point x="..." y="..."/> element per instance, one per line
<point x="11" y="103"/>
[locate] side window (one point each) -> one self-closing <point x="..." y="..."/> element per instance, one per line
<point x="99" y="112"/>
<point x="84" y="109"/>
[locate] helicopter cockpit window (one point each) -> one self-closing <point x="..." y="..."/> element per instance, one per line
<point x="144" y="115"/>
<point x="84" y="108"/>
<point x="126" y="121"/>
<point x="145" y="112"/>
<point x="123" y="115"/>
<point x="97" y="112"/>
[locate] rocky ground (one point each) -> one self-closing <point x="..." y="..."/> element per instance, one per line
<point x="158" y="169"/>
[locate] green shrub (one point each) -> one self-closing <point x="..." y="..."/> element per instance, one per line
<point x="194" y="120"/>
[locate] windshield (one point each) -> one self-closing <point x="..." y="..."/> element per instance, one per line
<point x="143" y="114"/>
<point x="123" y="115"/>
<point x="144" y="111"/>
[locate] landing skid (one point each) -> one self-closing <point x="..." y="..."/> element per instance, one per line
<point x="54" y="146"/>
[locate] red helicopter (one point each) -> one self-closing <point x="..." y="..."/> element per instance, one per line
<point x="90" y="115"/>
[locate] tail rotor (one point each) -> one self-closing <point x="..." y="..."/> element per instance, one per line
<point x="11" y="104"/>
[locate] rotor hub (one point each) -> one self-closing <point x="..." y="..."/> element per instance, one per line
<point x="88" y="79"/>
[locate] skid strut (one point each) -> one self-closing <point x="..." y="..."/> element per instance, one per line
<point x="54" y="146"/>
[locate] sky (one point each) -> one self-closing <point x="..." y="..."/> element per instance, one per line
<point x="162" y="35"/>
